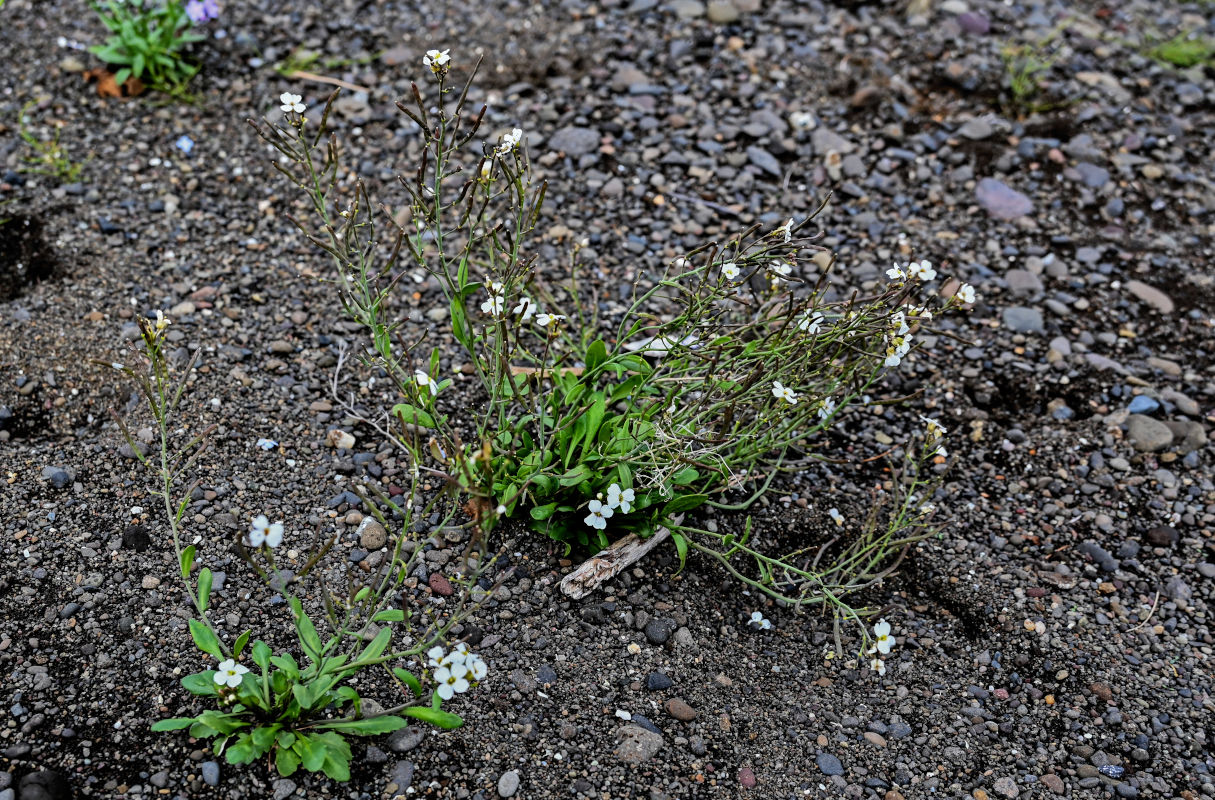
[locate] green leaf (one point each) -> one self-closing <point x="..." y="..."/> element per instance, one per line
<point x="543" y="512"/>
<point x="264" y="736"/>
<point x="286" y="662"/>
<point x="437" y="717"/>
<point x="681" y="547"/>
<point x="286" y="762"/>
<point x="683" y="503"/>
<point x="121" y="76"/>
<point x="413" y="415"/>
<point x="217" y="724"/>
<point x="409" y="679"/>
<point x="309" y="639"/>
<point x="337" y="755"/>
<point x="174" y="724"/>
<point x="201" y="683"/>
<point x="367" y="727"/>
<point x="261" y="654"/>
<point x="285" y="739"/>
<point x="187" y="561"/>
<point x="596" y="354"/>
<point x="310" y="751"/>
<point x="377" y="645"/>
<point x="389" y="615"/>
<point x="593" y="419"/>
<point x="242" y="751"/>
<point x="459" y="323"/>
<point x="137" y="64"/>
<point x="575" y="476"/>
<point x="205" y="639"/>
<point x="239" y="647"/>
<point x="204" y="588"/>
<point x="685" y="476"/>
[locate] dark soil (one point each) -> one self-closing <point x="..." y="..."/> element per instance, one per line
<point x="1055" y="638"/>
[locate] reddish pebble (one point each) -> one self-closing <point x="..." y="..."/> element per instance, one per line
<point x="440" y="585"/>
<point x="1002" y="694"/>
<point x="1036" y="591"/>
<point x="747" y="778"/>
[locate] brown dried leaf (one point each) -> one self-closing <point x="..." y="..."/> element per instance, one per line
<point x="108" y="87"/>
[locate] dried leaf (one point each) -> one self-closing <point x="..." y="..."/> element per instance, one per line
<point x="108" y="87"/>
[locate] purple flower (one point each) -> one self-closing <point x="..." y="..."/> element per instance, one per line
<point x="200" y="11"/>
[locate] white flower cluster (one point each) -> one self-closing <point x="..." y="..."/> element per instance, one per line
<point x="526" y="309"/>
<point x="457" y="671"/>
<point x="601" y="511"/>
<point x="509" y="141"/>
<point x="899" y="343"/>
<point x="759" y="622"/>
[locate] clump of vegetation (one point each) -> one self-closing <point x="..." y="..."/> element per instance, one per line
<point x="149" y="39"/>
<point x="725" y="369"/>
<point x="1025" y="68"/>
<point x="1184" y="50"/>
<point x="289" y="713"/>
<point x="48" y="156"/>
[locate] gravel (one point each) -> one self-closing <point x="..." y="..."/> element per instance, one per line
<point x="1055" y="632"/>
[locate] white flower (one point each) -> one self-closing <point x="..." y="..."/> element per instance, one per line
<point x="487" y="167"/>
<point x="922" y="270"/>
<point x="477" y="668"/>
<point x="896" y="274"/>
<point x="941" y="451"/>
<point x="899" y="323"/>
<point x="435" y="656"/>
<point x="436" y="60"/>
<point x="497" y="287"/>
<point x="526" y="307"/>
<point x="759" y="622"/>
<point x="730" y="271"/>
<point x="599" y="514"/>
<point x="291" y="102"/>
<point x="620" y="499"/>
<point x="878" y="665"/>
<point x="810" y="322"/>
<point x="162" y="321"/>
<point x="782" y="392"/>
<point x="893" y="359"/>
<point x="549" y="320"/>
<point x="262" y="532"/>
<point x="826" y="408"/>
<point x="451" y="680"/>
<point x="788" y="230"/>
<point x="510" y="141"/>
<point x="229" y="673"/>
<point x="882" y="639"/>
<point x="935" y="429"/>
<point x="835" y="514"/>
<point x="458" y="655"/>
<point x="494" y="305"/>
<point x="425" y="381"/>
<point x="966" y="294"/>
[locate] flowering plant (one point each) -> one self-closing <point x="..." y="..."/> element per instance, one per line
<point x="723" y="365"/>
<point x="149" y="37"/>
<point x="299" y="714"/>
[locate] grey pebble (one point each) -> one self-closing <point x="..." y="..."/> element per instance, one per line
<point x="508" y="784"/>
<point x="406" y="739"/>
<point x="210" y="773"/>
<point x="829" y="764"/>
